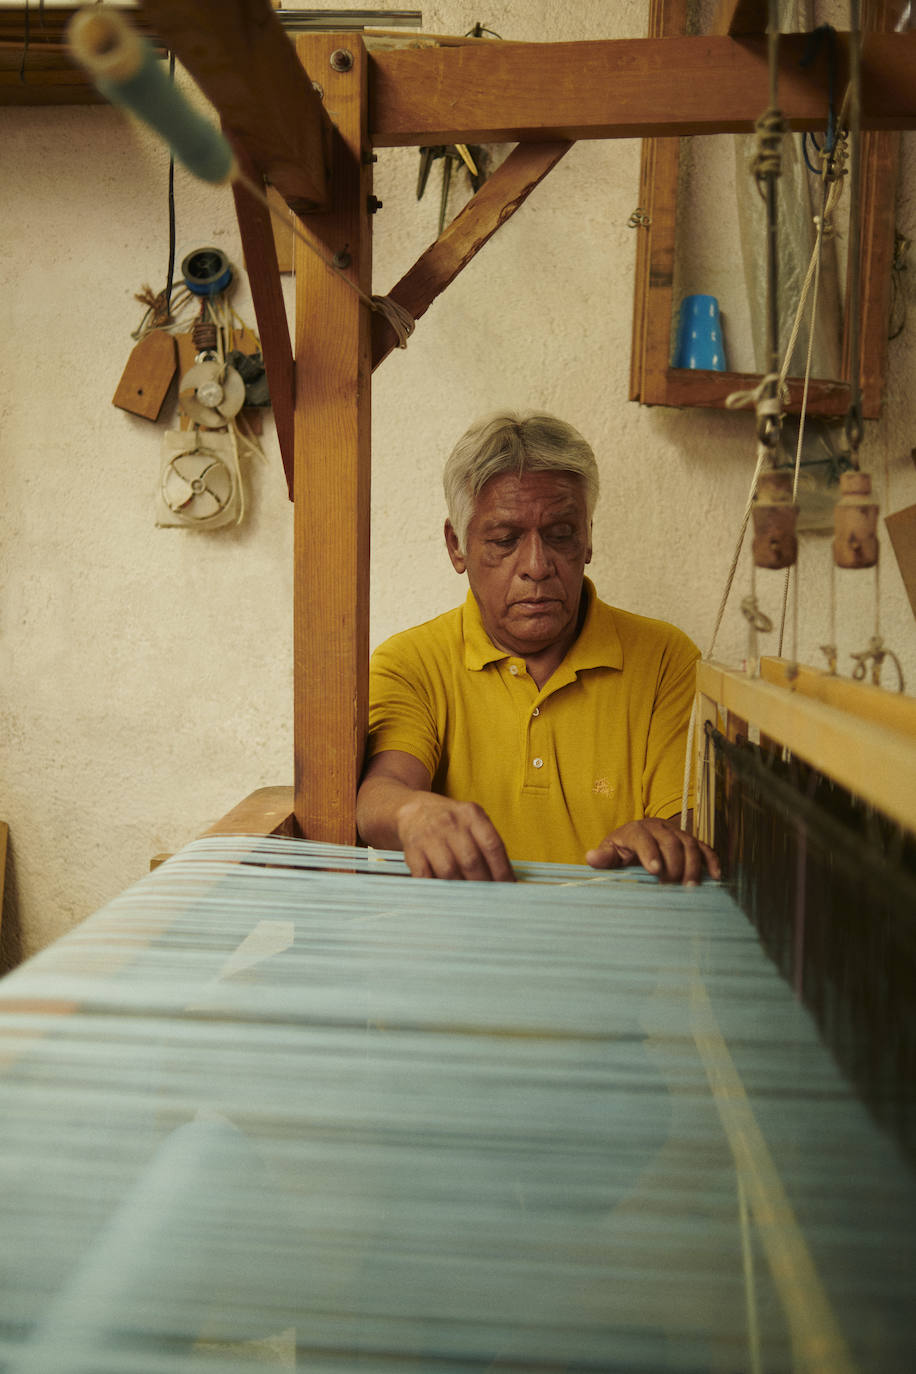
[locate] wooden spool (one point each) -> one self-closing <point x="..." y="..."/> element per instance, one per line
<point x="775" y="542"/>
<point x="855" y="523"/>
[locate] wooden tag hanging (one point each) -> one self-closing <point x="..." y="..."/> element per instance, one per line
<point x="148" y="375"/>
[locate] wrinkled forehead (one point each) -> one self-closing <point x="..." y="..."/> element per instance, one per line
<point x="531" y="497"/>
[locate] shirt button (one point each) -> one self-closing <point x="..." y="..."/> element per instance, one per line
<point x="538" y="763"/>
<point x="513" y="669"/>
<point x="536" y="711"/>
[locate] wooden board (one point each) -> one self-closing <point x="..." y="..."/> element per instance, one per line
<point x="148" y="375"/>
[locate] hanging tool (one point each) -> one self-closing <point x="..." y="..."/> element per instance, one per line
<point x="470" y="156"/>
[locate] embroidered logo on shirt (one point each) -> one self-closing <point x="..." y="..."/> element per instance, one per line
<point x="602" y="787"/>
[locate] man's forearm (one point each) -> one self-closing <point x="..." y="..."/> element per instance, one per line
<point x="378" y="803"/>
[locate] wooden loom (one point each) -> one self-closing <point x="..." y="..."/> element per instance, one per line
<point x="544" y="96"/>
<point x="354" y="998"/>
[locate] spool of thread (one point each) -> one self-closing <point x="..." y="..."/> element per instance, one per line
<point x="206" y="271"/>
<point x="775" y="541"/>
<point x="127" y="72"/>
<point x="855" y="523"/>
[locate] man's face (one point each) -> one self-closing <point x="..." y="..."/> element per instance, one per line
<point x="527" y="546"/>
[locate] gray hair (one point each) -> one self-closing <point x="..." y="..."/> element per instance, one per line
<point x="506" y="442"/>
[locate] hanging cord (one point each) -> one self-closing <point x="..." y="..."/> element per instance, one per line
<point x="833" y="172"/>
<point x="401" y="321"/>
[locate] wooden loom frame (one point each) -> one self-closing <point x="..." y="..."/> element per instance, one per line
<point x="545" y="96"/>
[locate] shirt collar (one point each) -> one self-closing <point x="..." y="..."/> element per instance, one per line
<point x="597" y="646"/>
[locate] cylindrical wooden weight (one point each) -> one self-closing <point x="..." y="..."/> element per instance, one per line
<point x="775" y="543"/>
<point x="855" y="523"/>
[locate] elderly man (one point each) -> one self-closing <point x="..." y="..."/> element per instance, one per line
<point x="534" y="721"/>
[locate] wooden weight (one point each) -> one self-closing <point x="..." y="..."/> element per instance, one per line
<point x="855" y="523"/>
<point x="775" y="542"/>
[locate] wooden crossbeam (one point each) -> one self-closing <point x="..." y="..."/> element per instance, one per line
<point x="332" y="455"/>
<point x="244" y="63"/>
<point x="497" y="200"/>
<point x="621" y="88"/>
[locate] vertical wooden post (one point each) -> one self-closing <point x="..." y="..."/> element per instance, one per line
<point x="332" y="461"/>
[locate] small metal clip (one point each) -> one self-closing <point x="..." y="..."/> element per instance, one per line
<point x="639" y="219"/>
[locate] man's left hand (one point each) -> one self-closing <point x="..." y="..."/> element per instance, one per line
<point x="663" y="849"/>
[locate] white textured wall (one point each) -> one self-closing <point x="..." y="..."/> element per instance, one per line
<point x="145" y="674"/>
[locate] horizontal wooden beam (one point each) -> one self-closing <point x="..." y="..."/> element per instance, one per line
<point x="244" y="63"/>
<point x="876" y="762"/>
<point x="621" y="88"/>
<point x="495" y="202"/>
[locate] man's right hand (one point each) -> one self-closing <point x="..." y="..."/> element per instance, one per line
<point x="441" y="838"/>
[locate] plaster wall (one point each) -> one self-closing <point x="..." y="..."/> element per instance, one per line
<point x="145" y="674"/>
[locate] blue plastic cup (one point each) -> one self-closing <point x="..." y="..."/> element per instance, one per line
<point x="699" y="335"/>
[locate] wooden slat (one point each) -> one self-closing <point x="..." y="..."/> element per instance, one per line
<point x="872" y="761"/>
<point x="239" y="55"/>
<point x="497" y="200"/>
<point x="259" y="245"/>
<point x="862" y="699"/>
<point x="621" y="88"/>
<point x="333" y="383"/>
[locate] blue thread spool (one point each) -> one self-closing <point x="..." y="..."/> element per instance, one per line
<point x="206" y="271"/>
<point x="699" y="335"/>
<point x="127" y="72"/>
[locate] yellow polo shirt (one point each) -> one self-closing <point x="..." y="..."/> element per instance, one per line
<point x="556" y="768"/>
